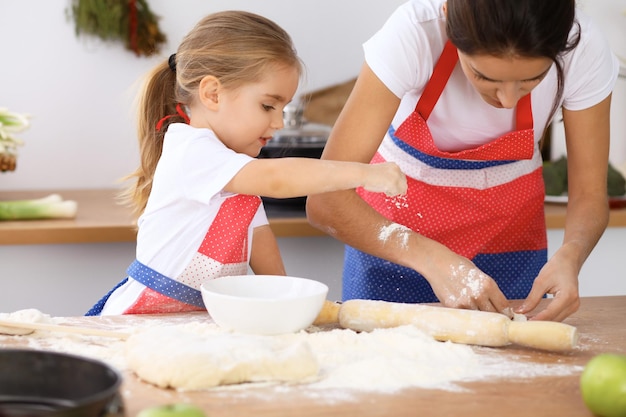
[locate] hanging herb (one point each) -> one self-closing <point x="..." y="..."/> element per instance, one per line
<point x="129" y="21"/>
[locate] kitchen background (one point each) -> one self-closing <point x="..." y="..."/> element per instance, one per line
<point x="80" y="91"/>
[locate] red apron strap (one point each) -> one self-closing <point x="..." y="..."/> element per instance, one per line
<point x="524" y="114"/>
<point x="438" y="80"/>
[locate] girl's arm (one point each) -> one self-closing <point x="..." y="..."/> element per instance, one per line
<point x="587" y="139"/>
<point x="295" y="177"/>
<point x="265" y="258"/>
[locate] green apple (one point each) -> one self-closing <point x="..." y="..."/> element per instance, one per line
<point x="603" y="385"/>
<point x="173" y="410"/>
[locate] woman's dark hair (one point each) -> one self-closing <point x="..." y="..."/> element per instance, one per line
<point x="524" y="28"/>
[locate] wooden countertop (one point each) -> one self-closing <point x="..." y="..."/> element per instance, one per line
<point x="100" y="219"/>
<point x="599" y="322"/>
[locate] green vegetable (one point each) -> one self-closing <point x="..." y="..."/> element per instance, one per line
<point x="616" y="182"/>
<point x="555" y="178"/>
<point x="50" y="207"/>
<point x="172" y="410"/>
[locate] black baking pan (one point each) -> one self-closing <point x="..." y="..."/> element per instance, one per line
<point x="47" y="384"/>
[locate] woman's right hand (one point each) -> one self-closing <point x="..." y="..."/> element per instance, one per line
<point x="458" y="283"/>
<point x="385" y="178"/>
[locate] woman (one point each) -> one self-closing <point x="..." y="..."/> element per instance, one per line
<point x="459" y="94"/>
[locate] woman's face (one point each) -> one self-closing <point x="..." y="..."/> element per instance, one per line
<point x="502" y="81"/>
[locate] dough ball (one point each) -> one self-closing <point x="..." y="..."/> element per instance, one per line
<point x="170" y="356"/>
<point x="29" y="315"/>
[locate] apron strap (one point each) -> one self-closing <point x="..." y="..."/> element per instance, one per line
<point x="438" y="80"/>
<point x="164" y="285"/>
<point x="524" y="114"/>
<point x="99" y="306"/>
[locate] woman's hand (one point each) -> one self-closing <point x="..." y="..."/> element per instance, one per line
<point x="386" y="178"/>
<point x="458" y="283"/>
<point x="559" y="278"/>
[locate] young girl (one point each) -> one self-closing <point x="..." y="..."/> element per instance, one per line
<point x="204" y="116"/>
<point x="459" y="94"/>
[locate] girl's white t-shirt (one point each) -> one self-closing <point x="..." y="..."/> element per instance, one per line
<point x="186" y="195"/>
<point x="404" y="51"/>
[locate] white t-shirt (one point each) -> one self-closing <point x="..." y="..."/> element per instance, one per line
<point x="186" y="195"/>
<point x="403" y="52"/>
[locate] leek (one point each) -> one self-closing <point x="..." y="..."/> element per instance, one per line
<point x="50" y="207"/>
<point x="11" y="123"/>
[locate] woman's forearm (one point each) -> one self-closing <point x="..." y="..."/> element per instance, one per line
<point x="346" y="217"/>
<point x="586" y="220"/>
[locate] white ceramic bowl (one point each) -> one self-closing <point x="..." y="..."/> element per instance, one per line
<point x="263" y="304"/>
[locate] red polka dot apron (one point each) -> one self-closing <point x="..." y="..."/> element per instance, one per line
<point x="484" y="203"/>
<point x="223" y="251"/>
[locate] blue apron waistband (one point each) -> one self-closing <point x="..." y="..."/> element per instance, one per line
<point x="164" y="285"/>
<point x="155" y="281"/>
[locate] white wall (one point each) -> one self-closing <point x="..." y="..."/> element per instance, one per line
<point x="80" y="91"/>
<point x="611" y="16"/>
<point x="66" y="280"/>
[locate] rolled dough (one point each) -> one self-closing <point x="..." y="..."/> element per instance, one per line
<point x="29" y="315"/>
<point x="178" y="357"/>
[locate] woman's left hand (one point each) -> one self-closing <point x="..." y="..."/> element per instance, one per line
<point x="558" y="278"/>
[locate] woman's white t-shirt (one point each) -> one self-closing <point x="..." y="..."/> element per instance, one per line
<point x="404" y="51"/>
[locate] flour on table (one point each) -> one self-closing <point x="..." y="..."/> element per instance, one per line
<point x="390" y="359"/>
<point x="29" y="315"/>
<point x="198" y="356"/>
<point x="180" y="357"/>
<point x="320" y="362"/>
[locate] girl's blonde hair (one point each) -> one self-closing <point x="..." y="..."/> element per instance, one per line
<point x="234" y="46"/>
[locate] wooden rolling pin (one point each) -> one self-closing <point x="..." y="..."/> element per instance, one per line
<point x="24" y="328"/>
<point x="450" y="324"/>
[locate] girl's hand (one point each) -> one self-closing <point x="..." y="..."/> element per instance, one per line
<point x="385" y="178"/>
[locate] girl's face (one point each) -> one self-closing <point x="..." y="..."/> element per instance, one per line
<point x="502" y="81"/>
<point x="249" y="115"/>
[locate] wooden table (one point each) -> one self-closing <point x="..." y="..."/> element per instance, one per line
<point x="599" y="321"/>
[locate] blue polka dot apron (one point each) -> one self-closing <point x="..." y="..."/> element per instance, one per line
<point x="223" y="251"/>
<point x="484" y="203"/>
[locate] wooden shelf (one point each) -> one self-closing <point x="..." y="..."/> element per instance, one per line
<point x="101" y="219"/>
<point x="555" y="216"/>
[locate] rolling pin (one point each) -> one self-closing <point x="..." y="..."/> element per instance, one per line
<point x="450" y="324"/>
<point x="24" y="328"/>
